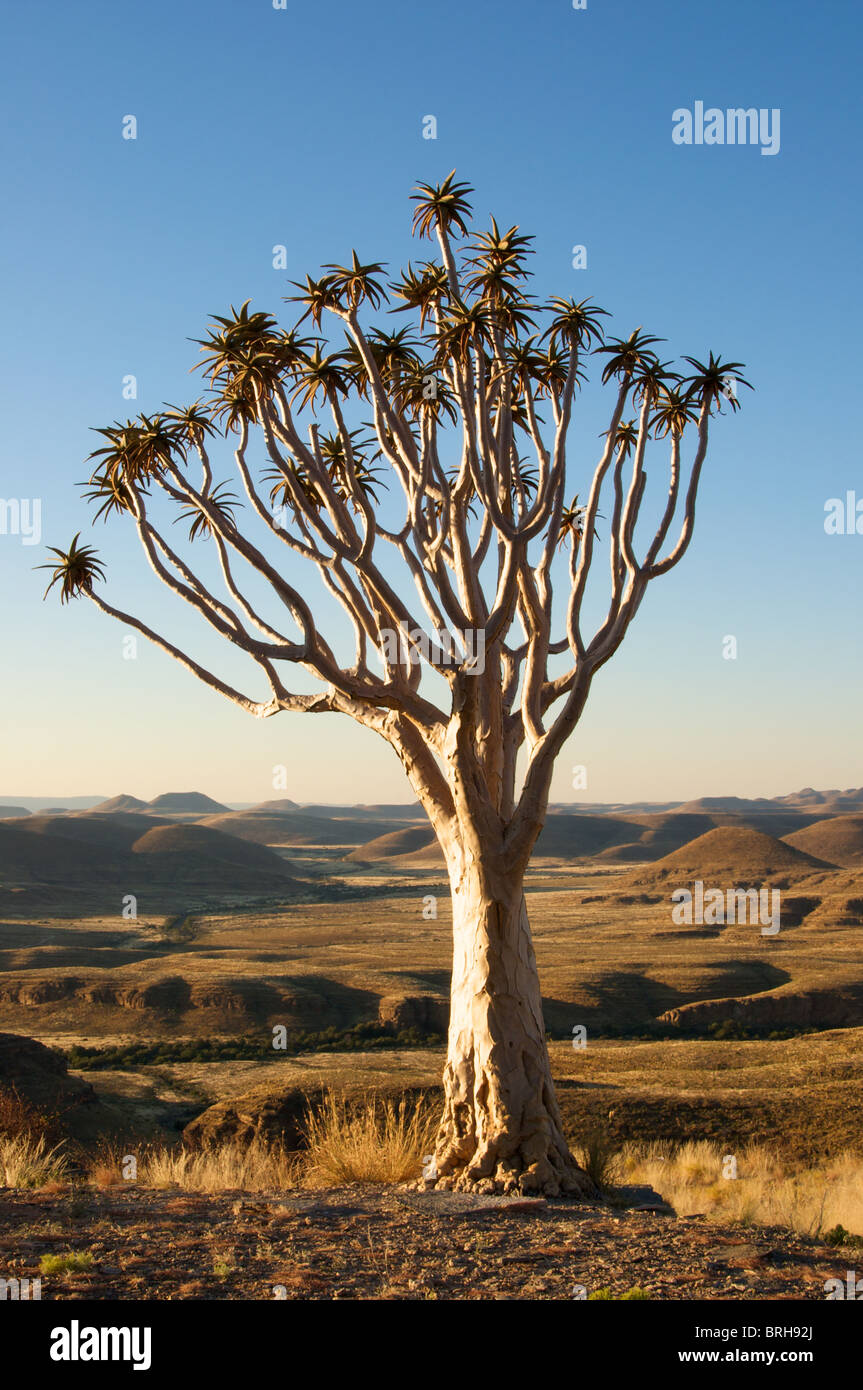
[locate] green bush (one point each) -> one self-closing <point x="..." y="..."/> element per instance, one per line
<point x="362" y="1037"/>
<point x="71" y="1262"/>
<point x="605" y="1295"/>
<point x="837" y="1235"/>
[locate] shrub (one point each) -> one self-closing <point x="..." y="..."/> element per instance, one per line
<point x="605" y="1295"/>
<point x="838" y="1235"/>
<point x="377" y="1140"/>
<point x="18" y="1117"/>
<point x="67" y="1262"/>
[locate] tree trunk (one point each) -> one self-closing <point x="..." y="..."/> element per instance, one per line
<point x="501" y="1128"/>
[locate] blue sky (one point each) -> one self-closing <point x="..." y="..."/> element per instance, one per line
<point x="303" y="127"/>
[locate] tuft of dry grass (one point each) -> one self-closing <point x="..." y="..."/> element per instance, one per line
<point x="375" y="1140"/>
<point x="599" y="1156"/>
<point x="29" y="1162"/>
<point x="759" y="1187"/>
<point x="220" y="1168"/>
<point x="106" y="1167"/>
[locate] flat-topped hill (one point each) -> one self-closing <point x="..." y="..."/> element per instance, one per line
<point x="186" y="803"/>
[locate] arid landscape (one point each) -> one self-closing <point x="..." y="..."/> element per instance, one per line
<point x="431" y="811"/>
<point x="183" y="980"/>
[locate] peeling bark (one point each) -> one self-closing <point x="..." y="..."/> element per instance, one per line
<point x="501" y="1129"/>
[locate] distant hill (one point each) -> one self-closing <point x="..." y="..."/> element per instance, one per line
<point x="104" y="856"/>
<point x="727" y="803"/>
<point x="298" y="827"/>
<point x="26" y="857"/>
<point x="828" y="802"/>
<point x="657" y="834"/>
<point x="191" y="803"/>
<point x="609" y="808"/>
<point x="838" y="840"/>
<point x="571" y="837"/>
<point x="727" y="856"/>
<point x="562" y="837"/>
<point x="807" y="801"/>
<point x="53" y="804"/>
<point x="850" y="799"/>
<point x="13" y="812"/>
<point x="410" y="811"/>
<point x="124" y="802"/>
<point x="397" y="812"/>
<point x="429" y="857"/>
<point x="581" y="836"/>
<point x="843" y="803"/>
<point x="197" y="852"/>
<point x="662" y="834"/>
<point x="395" y="843"/>
<point x="117" y="832"/>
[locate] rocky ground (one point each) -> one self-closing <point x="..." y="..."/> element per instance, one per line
<point x="370" y="1242"/>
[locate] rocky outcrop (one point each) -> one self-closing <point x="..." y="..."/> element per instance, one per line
<point x="40" y="1077"/>
<point x="275" y="1116"/>
<point x="251" y="999"/>
<point x="263" y="1115"/>
<point x="837" y="1008"/>
<point x="426" y="1012"/>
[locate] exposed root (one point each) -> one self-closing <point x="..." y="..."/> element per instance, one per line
<point x="553" y="1173"/>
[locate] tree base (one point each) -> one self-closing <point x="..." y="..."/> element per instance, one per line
<point x="553" y="1175"/>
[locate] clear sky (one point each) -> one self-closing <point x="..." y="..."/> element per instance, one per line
<point x="303" y="127"/>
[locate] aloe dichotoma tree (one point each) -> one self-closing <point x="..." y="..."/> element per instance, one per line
<point x="469" y="414"/>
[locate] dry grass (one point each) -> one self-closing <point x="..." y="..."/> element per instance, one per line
<point x="220" y="1169"/>
<point x="378" y="1140"/>
<point x="599" y="1156"/>
<point x="108" y="1166"/>
<point x="372" y="1140"/>
<point x="29" y="1162"/>
<point x="767" y="1190"/>
<point x="384" y="1140"/>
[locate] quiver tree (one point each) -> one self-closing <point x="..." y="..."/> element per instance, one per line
<point x="421" y="474"/>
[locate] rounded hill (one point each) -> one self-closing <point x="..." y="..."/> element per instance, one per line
<point x="195" y="852"/>
<point x="838" y="840"/>
<point x="114" y="804"/>
<point x="411" y="840"/>
<point x="728" y="853"/>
